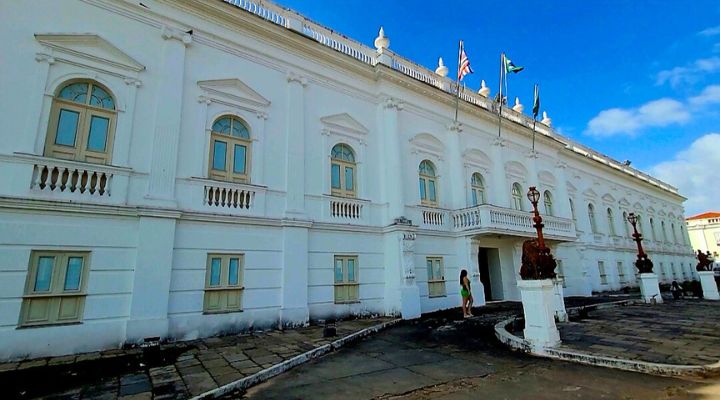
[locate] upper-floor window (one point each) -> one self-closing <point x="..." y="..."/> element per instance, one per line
<point x="547" y="199"/>
<point x="672" y="228"/>
<point x="626" y="224"/>
<point x="342" y="171"/>
<point x="664" y="233"/>
<point x="477" y="184"/>
<point x="517" y="196"/>
<point x="591" y="217"/>
<point x="428" y="184"/>
<point x="652" y="230"/>
<point x="572" y="210"/>
<point x="611" y="222"/>
<point x="230" y="146"/>
<point x="82" y="123"/>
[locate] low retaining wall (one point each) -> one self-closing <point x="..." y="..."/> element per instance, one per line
<point x="518" y="343"/>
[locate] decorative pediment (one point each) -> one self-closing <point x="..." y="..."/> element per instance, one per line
<point x="661" y="213"/>
<point x="428" y="143"/>
<point x="570" y="187"/>
<point x="477" y="157"/>
<point x="344" y="123"/>
<point x="233" y="91"/>
<point x="607" y="197"/>
<point x="651" y="210"/>
<point x="547" y="178"/>
<point x="89" y="46"/>
<point x="589" y="193"/>
<point x="515" y="168"/>
<point x="623" y="202"/>
<point x="638" y="206"/>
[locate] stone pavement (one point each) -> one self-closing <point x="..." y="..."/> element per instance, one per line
<point x="681" y="332"/>
<point x="444" y="357"/>
<point x="170" y="371"/>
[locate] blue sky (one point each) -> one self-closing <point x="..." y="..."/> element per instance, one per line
<point x="636" y="80"/>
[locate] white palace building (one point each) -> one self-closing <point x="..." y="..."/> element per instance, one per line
<point x="181" y="169"/>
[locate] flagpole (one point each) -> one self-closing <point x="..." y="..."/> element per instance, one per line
<point x="533" y="144"/>
<point x="536" y="109"/>
<point x="457" y="86"/>
<point x="500" y="92"/>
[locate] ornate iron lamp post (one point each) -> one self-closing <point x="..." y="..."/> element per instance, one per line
<point x="537" y="262"/>
<point x="643" y="263"/>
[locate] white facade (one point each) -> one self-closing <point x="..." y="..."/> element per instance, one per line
<point x="704" y="231"/>
<point x="148" y="220"/>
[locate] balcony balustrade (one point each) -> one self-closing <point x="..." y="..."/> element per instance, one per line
<point x="487" y="218"/>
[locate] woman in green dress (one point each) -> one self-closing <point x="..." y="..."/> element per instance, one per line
<point x="466" y="293"/>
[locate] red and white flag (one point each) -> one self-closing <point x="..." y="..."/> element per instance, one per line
<point x="463" y="63"/>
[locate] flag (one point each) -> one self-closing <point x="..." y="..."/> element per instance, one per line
<point x="510" y="67"/>
<point x="463" y="63"/>
<point x="536" y="101"/>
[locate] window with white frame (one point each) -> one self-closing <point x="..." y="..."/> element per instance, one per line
<point x="224" y="283"/>
<point x="626" y="224"/>
<point x="602" y="272"/>
<point x="428" y="184"/>
<point x="652" y="230"/>
<point x="672" y="228"/>
<point x="477" y="186"/>
<point x="436" y="276"/>
<point x="517" y="197"/>
<point x="82" y="123"/>
<point x="342" y="171"/>
<point x="561" y="271"/>
<point x="347" y="288"/>
<point x="547" y="199"/>
<point x="621" y="273"/>
<point x="55" y="288"/>
<point x="591" y="217"/>
<point x="230" y="150"/>
<point x="610" y="221"/>
<point x="664" y="233"/>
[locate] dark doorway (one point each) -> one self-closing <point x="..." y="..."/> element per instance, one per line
<point x="484" y="266"/>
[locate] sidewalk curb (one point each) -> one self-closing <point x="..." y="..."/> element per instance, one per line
<point x="645" y="367"/>
<point x="277" y="369"/>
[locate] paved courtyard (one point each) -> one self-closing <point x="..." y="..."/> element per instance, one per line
<point x="446" y="358"/>
<point x="172" y="371"/>
<point x="682" y="332"/>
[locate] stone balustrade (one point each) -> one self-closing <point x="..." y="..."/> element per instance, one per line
<point x="346" y="209"/>
<point x="489" y="218"/>
<point x="220" y="195"/>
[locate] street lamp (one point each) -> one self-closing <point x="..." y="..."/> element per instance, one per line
<point x="534" y="196"/>
<point x="643" y="263"/>
<point x="537" y="262"/>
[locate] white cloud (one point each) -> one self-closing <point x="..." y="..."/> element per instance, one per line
<point x="712" y="31"/>
<point x="709" y="95"/>
<point x="656" y="113"/>
<point x="690" y="73"/>
<point x="694" y="172"/>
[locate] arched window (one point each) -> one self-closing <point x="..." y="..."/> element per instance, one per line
<point x="682" y="234"/>
<point x="626" y="224"/>
<point x="652" y="230"/>
<point x="611" y="222"/>
<point x="639" y="223"/>
<point x="517" y="196"/>
<point x="547" y="199"/>
<point x="572" y="211"/>
<point x="230" y="150"/>
<point x="82" y="123"/>
<point x="477" y="184"/>
<point x="342" y="171"/>
<point x="428" y="184"/>
<point x="591" y="216"/>
<point x="664" y="233"/>
<point x="672" y="227"/>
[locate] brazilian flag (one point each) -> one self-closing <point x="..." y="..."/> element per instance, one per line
<point x="510" y="67"/>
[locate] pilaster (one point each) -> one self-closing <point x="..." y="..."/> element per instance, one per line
<point x="295" y="147"/>
<point x="500" y="193"/>
<point x="392" y="160"/>
<point x="458" y="185"/>
<point x="294" y="309"/>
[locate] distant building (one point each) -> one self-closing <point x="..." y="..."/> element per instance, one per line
<point x="704" y="231"/>
<point x="180" y="169"/>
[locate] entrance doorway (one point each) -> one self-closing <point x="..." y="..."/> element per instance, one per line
<point x="489" y="266"/>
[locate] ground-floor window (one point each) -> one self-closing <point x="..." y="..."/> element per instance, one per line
<point x="223" y="283"/>
<point x="662" y="272"/>
<point x="621" y="272"/>
<point x="347" y="289"/>
<point x="55" y="288"/>
<point x="601" y="271"/>
<point x="561" y="272"/>
<point x="436" y="277"/>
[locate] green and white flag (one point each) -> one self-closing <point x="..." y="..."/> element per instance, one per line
<point x="510" y="67"/>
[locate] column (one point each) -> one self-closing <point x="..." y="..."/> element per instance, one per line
<point x="500" y="192"/>
<point x="392" y="165"/>
<point x="295" y="147"/>
<point x="151" y="280"/>
<point x="455" y="167"/>
<point x="168" y="112"/>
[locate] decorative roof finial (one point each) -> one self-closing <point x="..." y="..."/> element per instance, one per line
<point x="382" y="42"/>
<point x="484" y="90"/>
<point x="546" y="120"/>
<point x="441" y="69"/>
<point x="518" y="107"/>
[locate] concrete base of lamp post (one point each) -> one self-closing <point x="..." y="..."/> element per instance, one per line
<point x="709" y="287"/>
<point x="560" y="312"/>
<point x="539" y="304"/>
<point x="649" y="288"/>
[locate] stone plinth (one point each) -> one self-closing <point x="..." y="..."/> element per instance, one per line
<point x="649" y="288"/>
<point x="709" y="287"/>
<point x="559" y="296"/>
<point x="410" y="302"/>
<point x="538" y="299"/>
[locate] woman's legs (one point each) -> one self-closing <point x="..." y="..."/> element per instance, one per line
<point x="470" y="304"/>
<point x="464" y="307"/>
